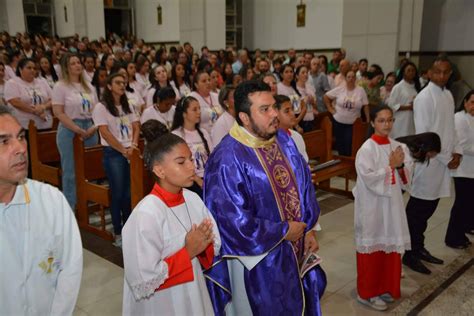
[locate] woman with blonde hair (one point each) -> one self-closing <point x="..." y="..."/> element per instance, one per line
<point x="73" y="100"/>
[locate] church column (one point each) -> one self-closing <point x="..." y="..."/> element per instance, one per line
<point x="12" y="18"/>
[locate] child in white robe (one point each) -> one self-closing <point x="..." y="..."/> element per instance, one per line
<point x="384" y="168"/>
<point x="169" y="239"/>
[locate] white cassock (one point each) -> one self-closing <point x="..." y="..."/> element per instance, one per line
<point x="433" y="111"/>
<point x="465" y="135"/>
<point x="379" y="212"/>
<point x="152" y="234"/>
<point x="41" y="252"/>
<point x="403" y="93"/>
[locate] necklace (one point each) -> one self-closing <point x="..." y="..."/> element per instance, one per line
<point x="176" y="216"/>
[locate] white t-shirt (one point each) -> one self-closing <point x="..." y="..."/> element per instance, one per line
<point x="307" y="93"/>
<point x="221" y="128"/>
<point x="135" y="100"/>
<point x="348" y="103"/>
<point x="119" y="126"/>
<point x="31" y="93"/>
<point x="9" y="73"/>
<point x="184" y="90"/>
<point x="77" y="102"/>
<point x="151" y="113"/>
<point x="197" y="147"/>
<point x="210" y="110"/>
<point x="290" y="93"/>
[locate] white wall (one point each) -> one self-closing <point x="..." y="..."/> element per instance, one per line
<point x="457" y="20"/>
<point x="12" y="19"/>
<point x="370" y="30"/>
<point x="94" y="10"/>
<point x="146" y="18"/>
<point x="271" y="24"/>
<point x="202" y="22"/>
<point x="63" y="28"/>
<point x="214" y="17"/>
<point x="411" y="17"/>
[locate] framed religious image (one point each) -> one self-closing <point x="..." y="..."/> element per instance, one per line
<point x="300" y="15"/>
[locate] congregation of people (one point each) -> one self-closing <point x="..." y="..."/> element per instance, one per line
<point x="233" y="212"/>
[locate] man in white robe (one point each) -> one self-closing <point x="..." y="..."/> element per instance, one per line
<point x="433" y="112"/>
<point x="40" y="244"/>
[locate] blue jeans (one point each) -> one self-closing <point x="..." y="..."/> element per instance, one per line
<point x="117" y="169"/>
<point x="64" y="141"/>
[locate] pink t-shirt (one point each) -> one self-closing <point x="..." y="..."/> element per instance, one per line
<point x="196" y="145"/>
<point x="119" y="126"/>
<point x="210" y="109"/>
<point x="348" y="103"/>
<point x="31" y="93"/>
<point x="77" y="102"/>
<point x="152" y="113"/>
<point x="290" y="93"/>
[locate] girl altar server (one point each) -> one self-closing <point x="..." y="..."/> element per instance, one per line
<point x="169" y="238"/>
<point x="384" y="168"/>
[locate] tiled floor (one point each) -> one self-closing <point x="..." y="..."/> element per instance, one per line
<point x="102" y="283"/>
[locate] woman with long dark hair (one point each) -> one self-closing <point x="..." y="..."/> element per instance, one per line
<point x="119" y="130"/>
<point x="186" y="121"/>
<point x="401" y="100"/>
<point x="180" y="81"/>
<point x="158" y="79"/>
<point x="287" y="87"/>
<point x="47" y="71"/>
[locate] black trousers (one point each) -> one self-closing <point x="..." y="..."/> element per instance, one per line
<point x="343" y="134"/>
<point x="418" y="213"/>
<point x="462" y="213"/>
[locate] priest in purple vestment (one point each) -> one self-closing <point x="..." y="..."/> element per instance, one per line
<point x="259" y="190"/>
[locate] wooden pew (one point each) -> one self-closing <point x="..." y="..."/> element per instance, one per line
<point x="44" y="155"/>
<point x="141" y="179"/>
<point x="91" y="197"/>
<point x="318" y="146"/>
<point x="359" y="135"/>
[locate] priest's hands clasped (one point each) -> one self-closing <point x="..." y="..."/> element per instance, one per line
<point x="199" y="237"/>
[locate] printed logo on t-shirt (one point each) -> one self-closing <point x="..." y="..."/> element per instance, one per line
<point x="200" y="155"/>
<point x="214" y="115"/>
<point x="348" y="102"/>
<point x="125" y="128"/>
<point x="35" y="96"/>
<point x="295" y="101"/>
<point x="86" y="103"/>
<point x="134" y="106"/>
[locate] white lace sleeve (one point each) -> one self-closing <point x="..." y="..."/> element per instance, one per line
<point x="143" y="243"/>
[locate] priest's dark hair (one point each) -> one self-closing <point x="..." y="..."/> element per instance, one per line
<point x="421" y="144"/>
<point x="242" y="93"/>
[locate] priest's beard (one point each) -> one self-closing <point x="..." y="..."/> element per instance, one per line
<point x="256" y="130"/>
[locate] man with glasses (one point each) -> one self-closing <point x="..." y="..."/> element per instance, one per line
<point x="433" y="111"/>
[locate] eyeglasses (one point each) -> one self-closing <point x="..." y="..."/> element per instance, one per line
<point x="382" y="121"/>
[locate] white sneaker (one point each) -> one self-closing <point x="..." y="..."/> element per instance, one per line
<point x="118" y="241"/>
<point x="374" y="302"/>
<point x="387" y="298"/>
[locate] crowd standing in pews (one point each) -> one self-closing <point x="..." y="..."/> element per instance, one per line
<point x="119" y="86"/>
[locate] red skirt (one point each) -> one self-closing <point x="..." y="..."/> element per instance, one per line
<point x="378" y="273"/>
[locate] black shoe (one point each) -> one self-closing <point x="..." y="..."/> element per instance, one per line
<point x="415" y="264"/>
<point x="426" y="256"/>
<point x="459" y="246"/>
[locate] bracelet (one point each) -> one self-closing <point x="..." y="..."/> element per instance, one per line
<point x="401" y="166"/>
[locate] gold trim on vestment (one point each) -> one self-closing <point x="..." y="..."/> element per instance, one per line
<point x="247" y="139"/>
